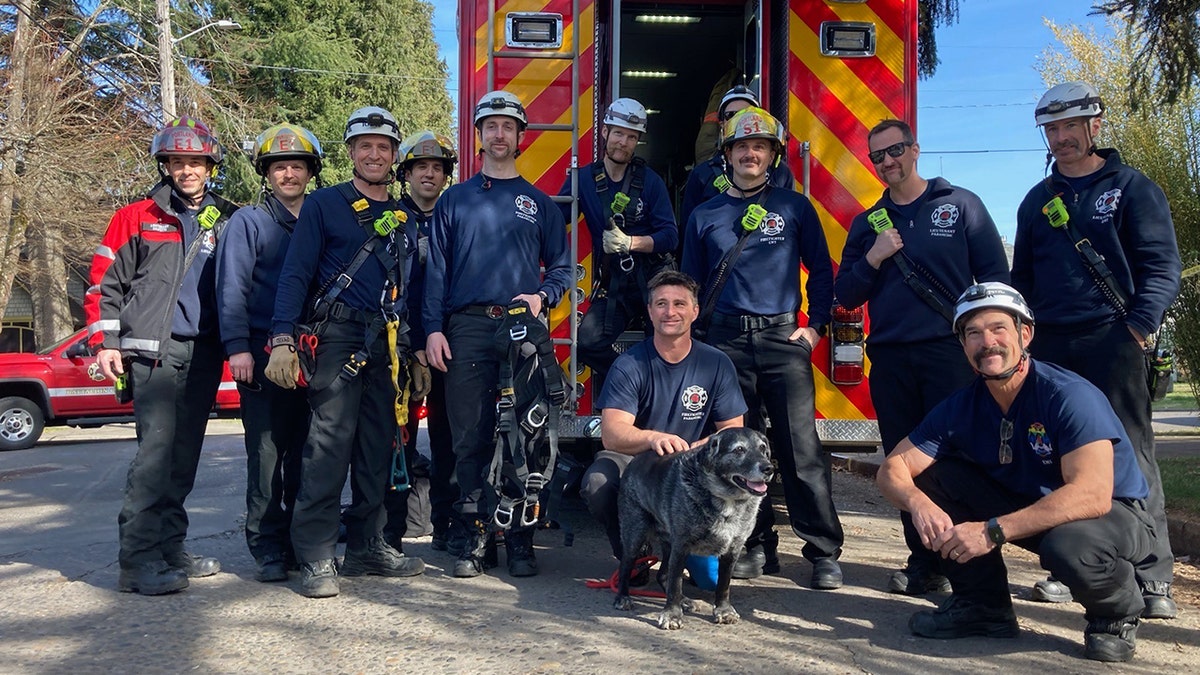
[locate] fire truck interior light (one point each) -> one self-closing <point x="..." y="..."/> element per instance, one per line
<point x="534" y="29"/>
<point x="648" y="74"/>
<point x="665" y="18"/>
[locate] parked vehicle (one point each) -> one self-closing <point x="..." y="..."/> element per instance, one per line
<point x="63" y="385"/>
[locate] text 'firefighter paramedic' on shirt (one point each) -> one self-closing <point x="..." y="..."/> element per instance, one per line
<point x="489" y="240"/>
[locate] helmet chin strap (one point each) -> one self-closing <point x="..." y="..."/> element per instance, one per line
<point x="391" y="178"/>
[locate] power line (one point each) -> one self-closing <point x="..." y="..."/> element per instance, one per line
<point x="319" y="71"/>
<point x="980" y="152"/>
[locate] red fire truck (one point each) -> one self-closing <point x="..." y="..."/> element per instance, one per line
<point x="829" y="69"/>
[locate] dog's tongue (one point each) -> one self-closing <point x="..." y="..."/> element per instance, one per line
<point x="756" y="486"/>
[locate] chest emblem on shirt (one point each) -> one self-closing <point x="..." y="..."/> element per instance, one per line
<point x="1039" y="442"/>
<point x="773" y="225"/>
<point x="526" y="208"/>
<point x="945" y="215"/>
<point x="1108" y="202"/>
<point x="210" y="241"/>
<point x="694" y="398"/>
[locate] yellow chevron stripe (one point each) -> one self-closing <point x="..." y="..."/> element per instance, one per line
<point x="889" y="47"/>
<point x="856" y="95"/>
<point x="550" y="146"/>
<point x="830" y="400"/>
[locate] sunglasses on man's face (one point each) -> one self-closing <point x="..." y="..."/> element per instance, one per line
<point x="893" y="150"/>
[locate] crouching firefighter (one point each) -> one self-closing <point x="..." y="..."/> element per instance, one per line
<point x="628" y="213"/>
<point x="352" y="353"/>
<point x="490" y="239"/>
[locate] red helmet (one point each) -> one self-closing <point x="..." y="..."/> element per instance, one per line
<point x="186" y="136"/>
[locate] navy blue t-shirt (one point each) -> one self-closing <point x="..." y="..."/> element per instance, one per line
<point x="765" y="279"/>
<point x="686" y="398"/>
<point x="701" y="188"/>
<point x="1055" y="412"/>
<point x="196" y="308"/>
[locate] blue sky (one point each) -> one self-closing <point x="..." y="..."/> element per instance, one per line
<point x="975" y="117"/>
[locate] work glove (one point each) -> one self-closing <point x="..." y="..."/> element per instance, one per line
<point x="284" y="367"/>
<point x="616" y="241"/>
<point x="419" y="380"/>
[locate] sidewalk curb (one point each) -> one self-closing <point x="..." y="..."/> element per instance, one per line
<point x="1184" y="531"/>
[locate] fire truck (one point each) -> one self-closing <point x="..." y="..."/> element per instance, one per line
<point x="828" y="69"/>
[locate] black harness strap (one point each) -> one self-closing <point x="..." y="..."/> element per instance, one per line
<point x="721" y="273"/>
<point x="517" y="463"/>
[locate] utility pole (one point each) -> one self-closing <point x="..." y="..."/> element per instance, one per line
<point x="166" y="58"/>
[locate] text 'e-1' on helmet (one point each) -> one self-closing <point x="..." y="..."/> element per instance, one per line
<point x="186" y="136"/>
<point x="1067" y="100"/>
<point x="287" y="141"/>
<point x="500" y="102"/>
<point x="627" y="113"/>
<point x="991" y="295"/>
<point x="752" y="122"/>
<point x="372" y="120"/>
<point x="427" y="144"/>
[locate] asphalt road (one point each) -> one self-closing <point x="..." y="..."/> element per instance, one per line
<point x="60" y="612"/>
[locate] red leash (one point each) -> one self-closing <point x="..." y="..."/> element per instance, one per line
<point x="640" y="566"/>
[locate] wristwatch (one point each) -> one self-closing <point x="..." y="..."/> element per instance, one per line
<point x="995" y="532"/>
<point x="545" y="300"/>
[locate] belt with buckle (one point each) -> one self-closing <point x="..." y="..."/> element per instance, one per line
<point x="490" y="311"/>
<point x="749" y="322"/>
<point x="340" y="311"/>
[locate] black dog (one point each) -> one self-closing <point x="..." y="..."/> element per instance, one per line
<point x="703" y="501"/>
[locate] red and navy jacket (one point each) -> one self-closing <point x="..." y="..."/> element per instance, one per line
<point x="138" y="271"/>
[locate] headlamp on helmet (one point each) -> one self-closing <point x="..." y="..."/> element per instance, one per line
<point x="1067" y="100"/>
<point x="626" y="113"/>
<point x="991" y="295"/>
<point x="501" y="102"/>
<point x="738" y="93"/>
<point x="372" y="120"/>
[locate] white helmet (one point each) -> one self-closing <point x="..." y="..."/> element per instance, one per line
<point x="372" y="120"/>
<point x="500" y="102"/>
<point x="739" y="93"/>
<point x="1066" y="100"/>
<point x="627" y="113"/>
<point x="991" y="295"/>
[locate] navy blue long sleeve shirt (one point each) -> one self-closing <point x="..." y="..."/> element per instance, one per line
<point x="650" y="216"/>
<point x="765" y="279"/>
<point x="249" y="261"/>
<point x="700" y="188"/>
<point x="951" y="236"/>
<point x="1128" y="221"/>
<point x="418" y="227"/>
<point x="196" y="306"/>
<point x="489" y="240"/>
<point x="326" y="239"/>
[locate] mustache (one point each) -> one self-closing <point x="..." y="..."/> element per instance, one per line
<point x="985" y="352"/>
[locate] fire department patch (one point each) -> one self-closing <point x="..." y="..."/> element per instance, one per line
<point x="1038" y="441"/>
<point x="773" y="224"/>
<point x="694" y="398"/>
<point x="94" y="373"/>
<point x="945" y="215"/>
<point x="526" y="205"/>
<point x="1108" y="202"/>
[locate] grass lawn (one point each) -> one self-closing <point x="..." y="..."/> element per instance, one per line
<point x="1181" y="483"/>
<point x="1179" y="399"/>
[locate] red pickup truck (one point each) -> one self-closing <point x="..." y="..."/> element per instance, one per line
<point x="63" y="385"/>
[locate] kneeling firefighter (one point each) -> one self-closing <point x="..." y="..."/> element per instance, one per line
<point x="353" y="353"/>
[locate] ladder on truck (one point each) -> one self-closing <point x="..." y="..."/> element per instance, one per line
<point x="569" y="430"/>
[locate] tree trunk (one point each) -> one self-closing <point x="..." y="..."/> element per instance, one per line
<point x="12" y="227"/>
<point x="48" y="275"/>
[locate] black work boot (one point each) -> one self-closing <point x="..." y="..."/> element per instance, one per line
<point x="194" y="566"/>
<point x="518" y="548"/>
<point x="271" y="567"/>
<point x="917" y="579"/>
<point x="749" y="564"/>
<point x="959" y="617"/>
<point x="1112" y="640"/>
<point x="378" y="557"/>
<point x="1051" y="590"/>
<point x="151" y="578"/>
<point x="318" y="579"/>
<point x="470" y="561"/>
<point x="770" y="547"/>
<point x="1159" y="603"/>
